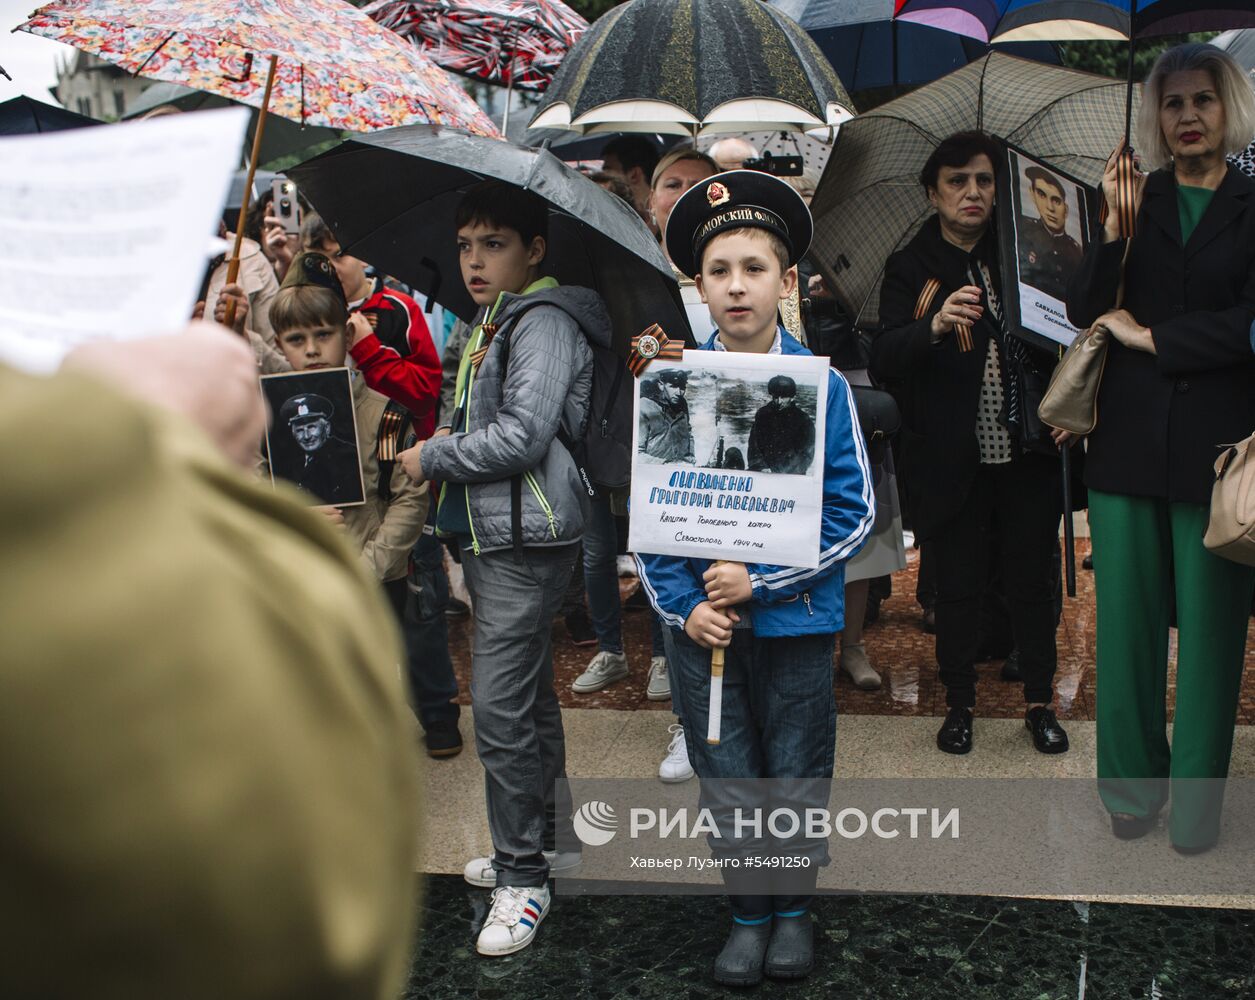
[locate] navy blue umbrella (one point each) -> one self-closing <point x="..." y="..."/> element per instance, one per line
<point x="871" y="51"/>
<point x="24" y="116"/>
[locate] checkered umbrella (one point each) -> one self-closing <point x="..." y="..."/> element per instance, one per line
<point x="870" y="203"/>
<point x="514" y="43"/>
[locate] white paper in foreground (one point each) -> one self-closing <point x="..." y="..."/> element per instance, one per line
<point x="105" y="229"/>
<point x="719" y="470"/>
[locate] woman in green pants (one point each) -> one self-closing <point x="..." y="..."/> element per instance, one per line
<point x="1179" y="382"/>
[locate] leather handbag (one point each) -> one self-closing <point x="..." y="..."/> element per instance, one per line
<point x="1070" y="402"/>
<point x="1231" y="527"/>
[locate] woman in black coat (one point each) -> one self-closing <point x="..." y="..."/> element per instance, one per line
<point x="1179" y="383"/>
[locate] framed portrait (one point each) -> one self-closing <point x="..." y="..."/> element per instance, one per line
<point x="1044" y="225"/>
<point x="728" y="458"/>
<point x="312" y="437"/>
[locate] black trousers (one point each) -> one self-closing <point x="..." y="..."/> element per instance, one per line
<point x="1012" y="510"/>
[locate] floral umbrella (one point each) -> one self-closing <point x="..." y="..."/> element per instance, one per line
<point x="514" y="43"/>
<point x="334" y="65"/>
<point x="318" y="62"/>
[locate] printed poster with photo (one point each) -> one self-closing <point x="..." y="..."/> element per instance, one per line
<point x="312" y="438"/>
<point x="1044" y="218"/>
<point x="727" y="458"/>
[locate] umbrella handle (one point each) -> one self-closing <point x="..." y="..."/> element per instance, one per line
<point x="233" y="267"/>
<point x="715" y="710"/>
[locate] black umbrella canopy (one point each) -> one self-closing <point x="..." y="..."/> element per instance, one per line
<point x="23" y="116"/>
<point x="870" y="203"/>
<point x="690" y="66"/>
<point x="391" y="198"/>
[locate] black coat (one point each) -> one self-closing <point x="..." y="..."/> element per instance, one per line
<point x="937" y="385"/>
<point x="1163" y="417"/>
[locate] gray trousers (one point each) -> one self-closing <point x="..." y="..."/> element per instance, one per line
<point x="518" y="725"/>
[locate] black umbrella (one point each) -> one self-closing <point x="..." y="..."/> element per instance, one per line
<point x="24" y="116"/>
<point x="391" y="198"/>
<point x="690" y="68"/>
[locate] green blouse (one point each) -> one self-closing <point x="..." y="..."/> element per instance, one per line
<point x="1192" y="202"/>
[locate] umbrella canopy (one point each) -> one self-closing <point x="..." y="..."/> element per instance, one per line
<point x="23" y="116"/>
<point x="335" y="66"/>
<point x="870" y="50"/>
<point x="870" y="202"/>
<point x="693" y="67"/>
<point x="1074" y="20"/>
<point x="1240" y="45"/>
<point x="391" y="199"/>
<point x="514" y="43"/>
<point x="283" y="142"/>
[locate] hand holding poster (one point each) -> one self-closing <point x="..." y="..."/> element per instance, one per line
<point x="728" y="458"/>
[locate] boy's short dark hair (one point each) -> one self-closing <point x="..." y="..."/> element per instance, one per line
<point x="778" y="249"/>
<point x="305" y="306"/>
<point x="615" y="184"/>
<point x="958" y="150"/>
<point x="315" y="234"/>
<point x="633" y="151"/>
<point x="501" y="205"/>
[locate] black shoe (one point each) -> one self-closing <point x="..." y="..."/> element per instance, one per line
<point x="1087" y="562"/>
<point x="741" y="961"/>
<point x="1127" y="827"/>
<point x="1011" y="669"/>
<point x="443" y="739"/>
<point x="1048" y="735"/>
<point x="456" y="608"/>
<point x="929" y="621"/>
<point x="791" y="950"/>
<point x="579" y="629"/>
<point x="955" y="735"/>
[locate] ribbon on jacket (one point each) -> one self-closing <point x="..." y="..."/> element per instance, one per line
<point x="650" y="344"/>
<point x="932" y="286"/>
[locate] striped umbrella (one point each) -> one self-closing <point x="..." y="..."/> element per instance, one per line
<point x="1074" y="20"/>
<point x="692" y="67"/>
<point x="514" y="43"/>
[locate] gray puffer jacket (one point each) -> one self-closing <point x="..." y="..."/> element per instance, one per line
<point x="512" y="425"/>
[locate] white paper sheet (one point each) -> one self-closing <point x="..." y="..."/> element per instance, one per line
<point x="103" y="231"/>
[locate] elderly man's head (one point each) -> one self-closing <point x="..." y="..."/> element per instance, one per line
<point x="731" y="153"/>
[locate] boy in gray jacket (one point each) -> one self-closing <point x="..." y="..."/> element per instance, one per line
<point x="513" y="501"/>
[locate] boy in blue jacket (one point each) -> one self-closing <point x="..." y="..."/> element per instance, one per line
<point x="738" y="235"/>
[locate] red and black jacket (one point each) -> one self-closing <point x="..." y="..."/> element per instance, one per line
<point x="399" y="358"/>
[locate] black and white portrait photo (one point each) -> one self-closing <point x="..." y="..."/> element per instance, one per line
<point x="752" y="423"/>
<point x="312" y="440"/>
<point x="1043" y="214"/>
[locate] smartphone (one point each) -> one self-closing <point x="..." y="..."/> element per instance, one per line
<point x="285" y="207"/>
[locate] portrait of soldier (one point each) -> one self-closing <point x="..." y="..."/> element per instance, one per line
<point x="330" y="469"/>
<point x="782" y="438"/>
<point x="664" y="429"/>
<point x="1048" y="255"/>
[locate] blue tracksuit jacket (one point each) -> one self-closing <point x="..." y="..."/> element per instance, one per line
<point x="788" y="601"/>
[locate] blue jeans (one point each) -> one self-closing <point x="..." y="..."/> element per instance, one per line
<point x="433" y="685"/>
<point x="778" y="721"/>
<point x="601" y="576"/>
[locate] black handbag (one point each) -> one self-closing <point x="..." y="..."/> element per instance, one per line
<point x="879" y="418"/>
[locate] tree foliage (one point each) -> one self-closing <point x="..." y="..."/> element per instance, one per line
<point x="1112" y="58"/>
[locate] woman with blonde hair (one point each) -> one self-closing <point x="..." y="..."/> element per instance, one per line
<point x="1179" y="382"/>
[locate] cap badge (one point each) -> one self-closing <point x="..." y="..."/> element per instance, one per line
<point x="717" y="195"/>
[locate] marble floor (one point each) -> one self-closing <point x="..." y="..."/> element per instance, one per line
<point x="870" y="946"/>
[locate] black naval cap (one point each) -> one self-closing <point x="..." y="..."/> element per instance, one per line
<point x="736" y="199"/>
<point x="781" y="385"/>
<point x="305" y="407"/>
<point x="674" y="376"/>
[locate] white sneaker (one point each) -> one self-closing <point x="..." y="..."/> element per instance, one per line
<point x="659" y="686"/>
<point x="480" y="872"/>
<point x="604" y="670"/>
<point x="626" y="566"/>
<point x="675" y="767"/>
<point x="511" y="923"/>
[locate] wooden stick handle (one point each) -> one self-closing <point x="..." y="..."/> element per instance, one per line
<point x="233" y="266"/>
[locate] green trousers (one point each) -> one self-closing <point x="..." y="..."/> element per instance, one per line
<point x="1145" y="550"/>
